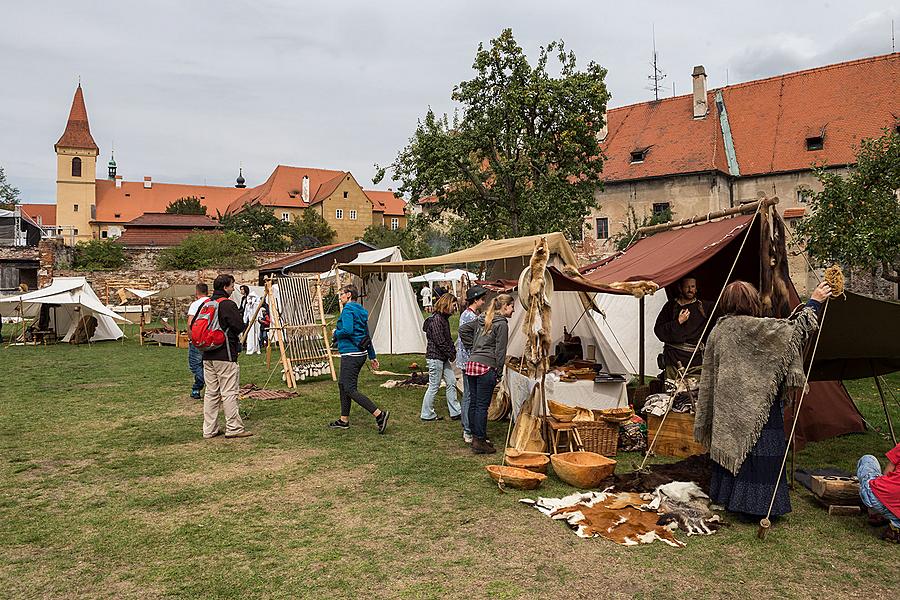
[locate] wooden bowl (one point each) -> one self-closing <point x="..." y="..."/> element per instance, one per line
<point x="561" y="412"/>
<point x="522" y="479"/>
<point x="583" y="470"/>
<point x="533" y="461"/>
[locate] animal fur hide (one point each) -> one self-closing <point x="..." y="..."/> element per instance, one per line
<point x="630" y="519"/>
<point x="638" y="289"/>
<point x="537" y="320"/>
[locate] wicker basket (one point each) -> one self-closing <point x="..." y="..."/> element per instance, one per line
<point x="598" y="436"/>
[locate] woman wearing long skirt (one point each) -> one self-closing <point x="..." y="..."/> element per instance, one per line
<point x="750" y="365"/>
<point x="250" y="303"/>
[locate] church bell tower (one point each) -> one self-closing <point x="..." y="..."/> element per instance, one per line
<point x="76" y="173"/>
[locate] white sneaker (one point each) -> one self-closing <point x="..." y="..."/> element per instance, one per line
<point x="467" y="437"/>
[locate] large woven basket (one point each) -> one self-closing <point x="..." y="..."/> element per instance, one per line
<point x="601" y="437"/>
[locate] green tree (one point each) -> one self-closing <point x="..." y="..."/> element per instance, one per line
<point x="624" y="238"/>
<point x="855" y="219"/>
<point x="523" y="158"/>
<point x="228" y="250"/>
<point x="98" y="255"/>
<point x="189" y="205"/>
<point x="412" y="239"/>
<point x="310" y="231"/>
<point x="261" y="227"/>
<point x="9" y="194"/>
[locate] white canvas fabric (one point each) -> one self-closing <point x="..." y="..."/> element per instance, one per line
<point x="621" y="327"/>
<point x="395" y="319"/>
<point x="75" y="299"/>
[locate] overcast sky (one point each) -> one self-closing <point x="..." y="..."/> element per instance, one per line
<point x="188" y="90"/>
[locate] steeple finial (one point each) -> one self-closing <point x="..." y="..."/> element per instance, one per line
<point x="241" y="182"/>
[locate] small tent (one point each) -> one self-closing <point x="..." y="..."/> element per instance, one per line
<point x="395" y="320"/>
<point x="454" y="277"/>
<point x="69" y="299"/>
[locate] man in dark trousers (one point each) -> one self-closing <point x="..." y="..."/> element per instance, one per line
<point x="680" y="325"/>
<point x="220" y="367"/>
<point x="195" y="359"/>
<point x="354" y="344"/>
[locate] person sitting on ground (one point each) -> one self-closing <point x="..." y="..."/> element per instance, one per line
<point x="354" y="345"/>
<point x="221" y="371"/>
<point x="486" y="339"/>
<point x="679" y="326"/>
<point x="439" y="357"/>
<point x="474" y="301"/>
<point x="195" y="359"/>
<point x="880" y="492"/>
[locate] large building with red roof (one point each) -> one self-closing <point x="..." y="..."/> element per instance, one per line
<point x="88" y="207"/>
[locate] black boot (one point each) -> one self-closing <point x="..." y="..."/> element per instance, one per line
<point x="480" y="447"/>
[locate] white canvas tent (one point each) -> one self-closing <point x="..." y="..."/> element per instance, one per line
<point x="73" y="298"/>
<point x="453" y="277"/>
<point x="395" y="321"/>
<point x="620" y="322"/>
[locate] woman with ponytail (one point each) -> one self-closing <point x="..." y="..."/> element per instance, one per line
<point x="485" y="338"/>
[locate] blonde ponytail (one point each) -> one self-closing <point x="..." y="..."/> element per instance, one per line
<point x="496" y="304"/>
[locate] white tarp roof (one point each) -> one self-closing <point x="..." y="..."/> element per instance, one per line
<point x="74" y="297"/>
<point x="390" y="254"/>
<point x="435" y="276"/>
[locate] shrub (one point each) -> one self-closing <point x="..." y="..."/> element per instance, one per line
<point x="98" y="255"/>
<point x="226" y="250"/>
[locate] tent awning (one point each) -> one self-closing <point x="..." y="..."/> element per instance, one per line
<point x="486" y="251"/>
<point x="179" y="290"/>
<point x="666" y="257"/>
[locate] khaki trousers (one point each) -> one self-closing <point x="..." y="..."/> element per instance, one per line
<point x="222" y="391"/>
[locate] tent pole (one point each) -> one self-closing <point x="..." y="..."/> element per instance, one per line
<point x="887" y="414"/>
<point x="641" y="332"/>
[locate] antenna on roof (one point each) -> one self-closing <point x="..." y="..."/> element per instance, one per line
<point x="727" y="81"/>
<point x="658" y="75"/>
<point x="893" y="47"/>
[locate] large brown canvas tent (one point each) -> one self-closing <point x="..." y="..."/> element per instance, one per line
<point x="707" y="251"/>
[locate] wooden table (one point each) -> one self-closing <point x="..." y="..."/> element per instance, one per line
<point x="563" y="429"/>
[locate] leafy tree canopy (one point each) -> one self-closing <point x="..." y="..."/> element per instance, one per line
<point x="189" y="205"/>
<point x="9" y="194"/>
<point x="228" y="250"/>
<point x="98" y="255"/>
<point x="412" y="240"/>
<point x="523" y="157"/>
<point x="855" y="219"/>
<point x="260" y="227"/>
<point x="310" y="231"/>
<point x="624" y="238"/>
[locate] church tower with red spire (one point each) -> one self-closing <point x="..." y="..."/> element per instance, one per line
<point x="76" y="174"/>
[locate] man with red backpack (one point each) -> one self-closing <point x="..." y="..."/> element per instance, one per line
<point x="215" y="331"/>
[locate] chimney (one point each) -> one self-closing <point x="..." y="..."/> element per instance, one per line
<point x="304" y="190"/>
<point x="148" y="183"/>
<point x="700" y="106"/>
<point x="604" y="131"/>
<point x="118" y="182"/>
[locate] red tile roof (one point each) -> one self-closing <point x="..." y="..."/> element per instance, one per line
<point x="792" y="213"/>
<point x="155" y="237"/>
<point x="284" y="188"/>
<point x="133" y="199"/>
<point x="171" y="220"/>
<point x="769" y="119"/>
<point x="78" y="131"/>
<point x="45" y="214"/>
<point x="387" y="202"/>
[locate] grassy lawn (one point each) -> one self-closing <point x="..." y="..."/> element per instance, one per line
<point x="108" y="491"/>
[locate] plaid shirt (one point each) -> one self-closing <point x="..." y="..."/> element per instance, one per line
<point x="476" y="368"/>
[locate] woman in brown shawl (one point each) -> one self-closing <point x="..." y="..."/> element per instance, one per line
<point x="750" y="364"/>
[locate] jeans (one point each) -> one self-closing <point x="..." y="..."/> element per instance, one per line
<point x="464" y="406"/>
<point x="438" y="370"/>
<point x="868" y="469"/>
<point x="347" y="385"/>
<point x="195" y="364"/>
<point x="481" y="389"/>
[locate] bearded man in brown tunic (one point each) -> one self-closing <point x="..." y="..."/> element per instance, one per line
<point x="680" y="325"/>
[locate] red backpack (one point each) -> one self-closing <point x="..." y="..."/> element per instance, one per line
<point x="206" y="333"/>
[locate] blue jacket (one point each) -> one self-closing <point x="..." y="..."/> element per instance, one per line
<point x="352" y="327"/>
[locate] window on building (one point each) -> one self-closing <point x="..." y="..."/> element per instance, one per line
<point x="395" y="223"/>
<point x="74" y="208"/>
<point x="286" y="217"/>
<point x="346" y="194"/>
<point x="352" y="215"/>
<point x="815" y="143"/>
<point x="638" y="156"/>
<point x="118" y="215"/>
<point x="104" y="234"/>
<point x="660" y="208"/>
<point x="803" y="195"/>
<point x="76" y="167"/>
<point x="602" y="228"/>
<point x="339" y="213"/>
<point x="75" y="231"/>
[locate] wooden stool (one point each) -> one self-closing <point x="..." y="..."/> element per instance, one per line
<point x="565" y="430"/>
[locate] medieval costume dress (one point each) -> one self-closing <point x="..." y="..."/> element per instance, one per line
<point x="251" y="301"/>
<point x="681" y="338"/>
<point x="749" y="366"/>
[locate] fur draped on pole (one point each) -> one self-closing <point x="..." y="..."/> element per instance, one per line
<point x="537" y="319"/>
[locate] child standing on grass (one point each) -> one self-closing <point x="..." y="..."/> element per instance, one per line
<point x="354" y="345"/>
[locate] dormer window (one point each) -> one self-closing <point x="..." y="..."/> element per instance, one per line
<point x="816" y="142"/>
<point x="638" y="156"/>
<point x="118" y="215"/>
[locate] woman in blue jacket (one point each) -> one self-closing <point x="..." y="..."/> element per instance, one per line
<point x="354" y="346"/>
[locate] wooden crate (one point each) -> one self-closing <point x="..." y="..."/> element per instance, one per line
<point x="676" y="437"/>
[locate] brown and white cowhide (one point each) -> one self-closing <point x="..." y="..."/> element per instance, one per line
<point x="631" y="519"/>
